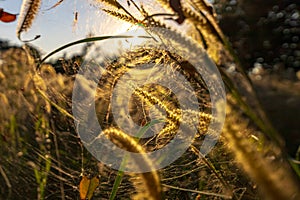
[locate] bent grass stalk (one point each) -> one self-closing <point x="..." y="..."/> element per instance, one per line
<point x="120" y="174"/>
<point x="150" y="180"/>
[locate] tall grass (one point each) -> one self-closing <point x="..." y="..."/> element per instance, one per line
<point x="248" y="140"/>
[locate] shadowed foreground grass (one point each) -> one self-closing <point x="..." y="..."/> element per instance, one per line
<point x="42" y="157"/>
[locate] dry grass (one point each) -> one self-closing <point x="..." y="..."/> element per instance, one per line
<point x="42" y="156"/>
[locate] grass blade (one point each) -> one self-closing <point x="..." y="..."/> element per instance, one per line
<point x="91" y="39"/>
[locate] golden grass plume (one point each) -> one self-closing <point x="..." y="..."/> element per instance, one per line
<point x="28" y="13"/>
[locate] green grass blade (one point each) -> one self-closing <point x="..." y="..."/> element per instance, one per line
<point x="118" y="179"/>
<point x="91" y="39"/>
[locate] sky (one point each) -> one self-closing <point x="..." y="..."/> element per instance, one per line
<point x="56" y="26"/>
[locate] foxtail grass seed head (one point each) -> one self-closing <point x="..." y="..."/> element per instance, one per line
<point x="158" y="66"/>
<point x="29" y="10"/>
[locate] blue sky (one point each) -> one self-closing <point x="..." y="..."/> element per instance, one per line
<point x="56" y="26"/>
